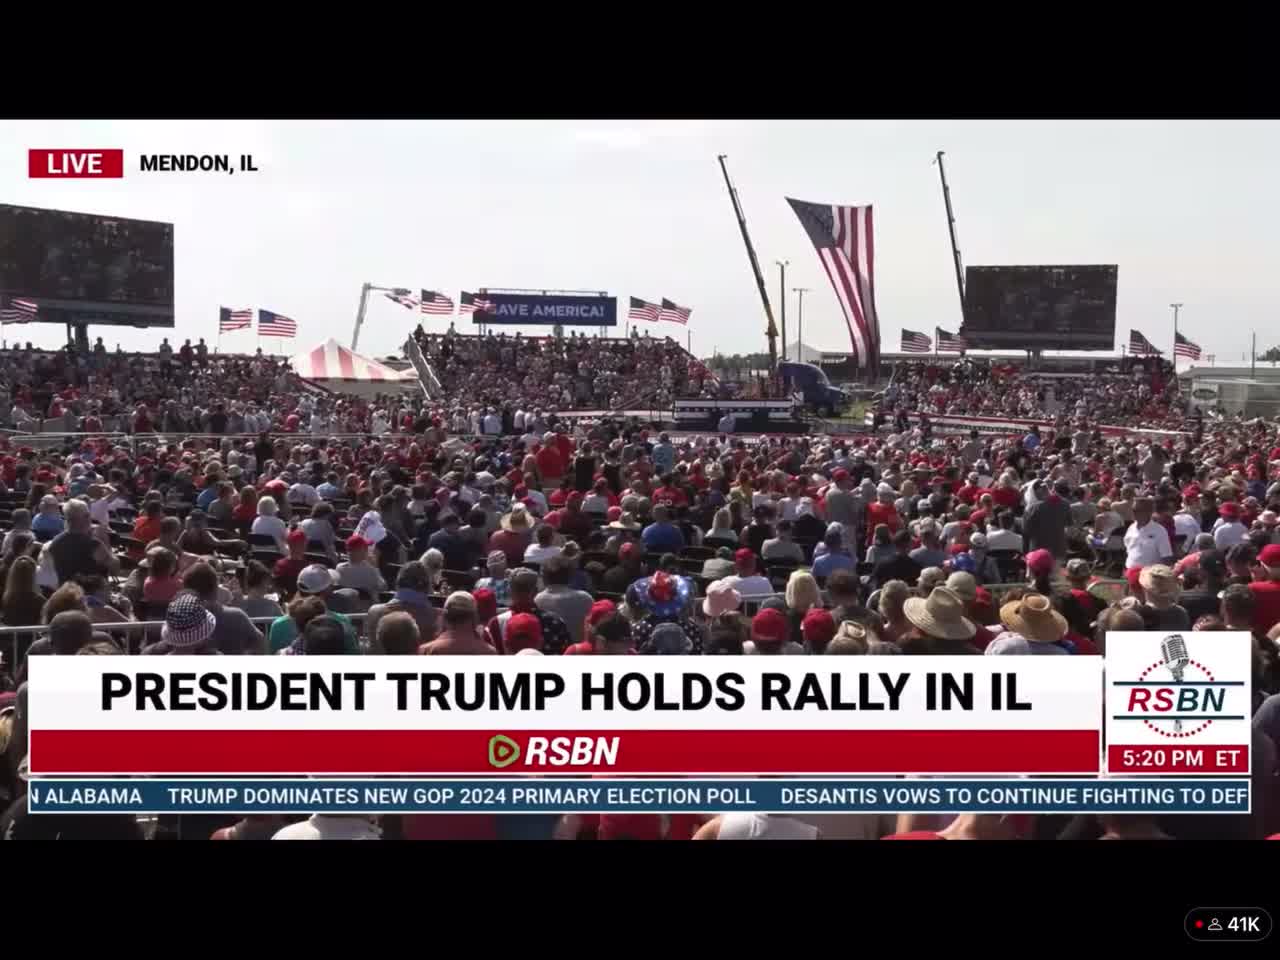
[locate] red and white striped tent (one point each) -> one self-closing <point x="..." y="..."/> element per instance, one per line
<point x="334" y="366"/>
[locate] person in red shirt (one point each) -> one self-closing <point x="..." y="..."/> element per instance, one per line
<point x="1266" y="589"/>
<point x="669" y="494"/>
<point x="882" y="511"/>
<point x="287" y="568"/>
<point x="1005" y="494"/>
<point x="550" y="464"/>
<point x="564" y="446"/>
<point x="970" y="492"/>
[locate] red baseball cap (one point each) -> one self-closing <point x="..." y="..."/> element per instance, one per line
<point x="1230" y="509"/>
<point x="770" y="625"/>
<point x="818" y="626"/>
<point x="744" y="557"/>
<point x="600" y="610"/>
<point x="614" y="513"/>
<point x="296" y="536"/>
<point x="1134" y="576"/>
<point x="841" y="474"/>
<point x="1270" y="555"/>
<point x="574" y="499"/>
<point x="486" y="604"/>
<point x="628" y="551"/>
<point x="356" y="542"/>
<point x="524" y="631"/>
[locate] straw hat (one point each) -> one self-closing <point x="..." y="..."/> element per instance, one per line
<point x="941" y="615"/>
<point x="1034" y="618"/>
<point x="517" y="520"/>
<point x="1160" y="580"/>
<point x="625" y="522"/>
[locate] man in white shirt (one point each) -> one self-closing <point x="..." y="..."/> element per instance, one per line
<point x="1004" y="538"/>
<point x="492" y="423"/>
<point x="1186" y="524"/>
<point x="1228" y="530"/>
<point x="304" y="493"/>
<point x="1146" y="543"/>
<point x="746" y="581"/>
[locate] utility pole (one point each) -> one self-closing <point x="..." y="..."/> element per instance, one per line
<point x="1253" y="357"/>
<point x="364" y="304"/>
<point x="1174" y="356"/>
<point x="782" y="294"/>
<point x="800" y="316"/>
<point x="951" y="230"/>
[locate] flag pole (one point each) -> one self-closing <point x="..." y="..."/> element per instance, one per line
<point x="1174" y="356"/>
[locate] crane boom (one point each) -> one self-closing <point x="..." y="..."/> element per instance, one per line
<point x="772" y="331"/>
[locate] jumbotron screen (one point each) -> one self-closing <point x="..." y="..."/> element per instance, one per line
<point x="1041" y="307"/>
<point x="87" y="267"/>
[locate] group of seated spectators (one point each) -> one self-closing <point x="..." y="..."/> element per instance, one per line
<point x="555" y="540"/>
<point x="577" y="372"/>
<point x="1146" y="394"/>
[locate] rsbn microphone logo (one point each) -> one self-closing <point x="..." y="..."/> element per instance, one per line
<point x="73" y="163"/>
<point x="1180" y="692"/>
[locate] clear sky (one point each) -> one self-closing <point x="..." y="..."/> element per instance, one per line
<point x="1187" y="209"/>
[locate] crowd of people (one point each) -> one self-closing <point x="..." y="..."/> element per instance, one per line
<point x="1144" y="394"/>
<point x="511" y="532"/>
<point x="577" y="372"/>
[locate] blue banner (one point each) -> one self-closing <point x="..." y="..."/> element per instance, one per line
<point x="533" y="309"/>
<point x="531" y="795"/>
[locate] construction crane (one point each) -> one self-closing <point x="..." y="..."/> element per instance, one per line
<point x="772" y="331"/>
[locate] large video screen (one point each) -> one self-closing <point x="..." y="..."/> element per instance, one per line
<point x="87" y="266"/>
<point x="1069" y="307"/>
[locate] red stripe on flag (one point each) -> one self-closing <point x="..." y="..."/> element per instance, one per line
<point x="638" y="751"/>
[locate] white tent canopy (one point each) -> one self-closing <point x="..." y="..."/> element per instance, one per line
<point x="332" y="361"/>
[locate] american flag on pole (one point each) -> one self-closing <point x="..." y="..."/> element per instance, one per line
<point x="915" y="342"/>
<point x="1182" y="347"/>
<point x="950" y="342"/>
<point x="643" y="310"/>
<point x="19" y="311"/>
<point x="229" y="319"/>
<point x="843" y="239"/>
<point x="433" y="302"/>
<point x="409" y="303"/>
<point x="275" y="325"/>
<point x="674" y="312"/>
<point x="474" y="303"/>
<point x="1140" y="346"/>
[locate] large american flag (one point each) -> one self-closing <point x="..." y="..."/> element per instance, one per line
<point x="949" y="342"/>
<point x="229" y="319"/>
<point x="643" y="310"/>
<point x="409" y="303"/>
<point x="915" y="342"/>
<point x="1140" y="346"/>
<point x="19" y="311"/>
<point x="474" y="303"/>
<point x="674" y="312"/>
<point x="275" y="325"/>
<point x="843" y="239"/>
<point x="433" y="302"/>
<point x="1182" y="347"/>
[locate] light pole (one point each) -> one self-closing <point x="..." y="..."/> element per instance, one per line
<point x="800" y="317"/>
<point x="782" y="290"/>
<point x="364" y="303"/>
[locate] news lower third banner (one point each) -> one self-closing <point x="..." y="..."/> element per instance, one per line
<point x="1165" y="705"/>
<point x="528" y="796"/>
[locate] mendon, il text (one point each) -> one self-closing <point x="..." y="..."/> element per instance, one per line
<point x="197" y="163"/>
